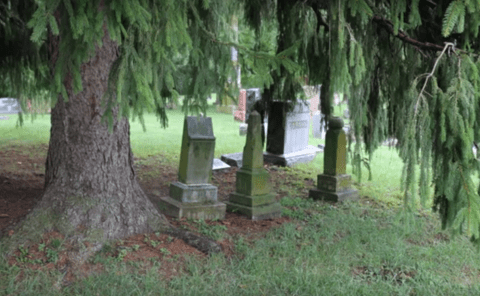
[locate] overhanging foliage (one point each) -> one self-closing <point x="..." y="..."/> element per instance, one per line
<point x="410" y="69"/>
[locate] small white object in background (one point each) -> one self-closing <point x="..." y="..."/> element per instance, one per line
<point x="9" y="106"/>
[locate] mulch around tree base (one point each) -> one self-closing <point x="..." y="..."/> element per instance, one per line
<point x="21" y="184"/>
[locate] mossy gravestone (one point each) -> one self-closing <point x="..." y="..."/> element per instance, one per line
<point x="252" y="196"/>
<point x="193" y="196"/>
<point x="334" y="184"/>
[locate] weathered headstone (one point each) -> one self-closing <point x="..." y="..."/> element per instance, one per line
<point x="239" y="114"/>
<point x="334" y="184"/>
<point x="193" y="196"/>
<point x="317" y="125"/>
<point x="253" y="195"/>
<point x="246" y="103"/>
<point x="287" y="137"/>
<point x="9" y="106"/>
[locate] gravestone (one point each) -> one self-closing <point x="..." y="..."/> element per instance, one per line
<point x="193" y="196"/>
<point x="219" y="165"/>
<point x="233" y="159"/>
<point x="246" y="105"/>
<point x="243" y="129"/>
<point x="253" y="95"/>
<point x="253" y="196"/>
<point x="287" y="137"/>
<point x="313" y="96"/>
<point x="9" y="106"/>
<point x="334" y="184"/>
<point x="318" y="125"/>
<point x="239" y="114"/>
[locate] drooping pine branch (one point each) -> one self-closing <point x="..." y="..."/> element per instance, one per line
<point x="388" y="26"/>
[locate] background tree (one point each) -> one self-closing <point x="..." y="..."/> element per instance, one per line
<point x="410" y="70"/>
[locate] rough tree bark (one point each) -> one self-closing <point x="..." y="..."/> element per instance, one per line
<point x="91" y="190"/>
<point x="90" y="182"/>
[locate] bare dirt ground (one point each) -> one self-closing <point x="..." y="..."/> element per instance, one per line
<point x="21" y="184"/>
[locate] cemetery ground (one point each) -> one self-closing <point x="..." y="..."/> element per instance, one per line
<point x="360" y="247"/>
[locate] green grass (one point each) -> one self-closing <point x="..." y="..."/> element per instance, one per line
<point x="31" y="133"/>
<point x="155" y="140"/>
<point x="168" y="141"/>
<point x="348" y="249"/>
<point x="355" y="248"/>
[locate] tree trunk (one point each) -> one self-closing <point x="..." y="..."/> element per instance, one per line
<point x="91" y="187"/>
<point x="91" y="190"/>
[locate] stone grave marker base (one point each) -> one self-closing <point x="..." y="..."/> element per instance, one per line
<point x="333" y="188"/>
<point x="252" y="182"/>
<point x="255" y="213"/>
<point x="306" y="155"/>
<point x="252" y="201"/>
<point x="334" y="183"/>
<point x="290" y="159"/>
<point x="197" y="201"/>
<point x="193" y="193"/>
<point x="174" y="208"/>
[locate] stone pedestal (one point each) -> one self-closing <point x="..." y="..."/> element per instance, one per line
<point x="334" y="184"/>
<point x="252" y="196"/>
<point x="193" y="196"/>
<point x="197" y="201"/>
<point x="333" y="188"/>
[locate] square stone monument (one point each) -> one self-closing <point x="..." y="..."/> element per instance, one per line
<point x="287" y="137"/>
<point x="253" y="196"/>
<point x="9" y="106"/>
<point x="334" y="184"/>
<point x="193" y="196"/>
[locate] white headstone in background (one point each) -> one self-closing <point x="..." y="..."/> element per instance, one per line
<point x="297" y="128"/>
<point x="317" y="124"/>
<point x="9" y="106"/>
<point x="287" y="138"/>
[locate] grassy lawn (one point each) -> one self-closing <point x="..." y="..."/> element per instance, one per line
<point x="355" y="248"/>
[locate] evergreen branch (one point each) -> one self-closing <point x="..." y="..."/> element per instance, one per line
<point x="388" y="25"/>
<point x="447" y="45"/>
<point x="213" y="37"/>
